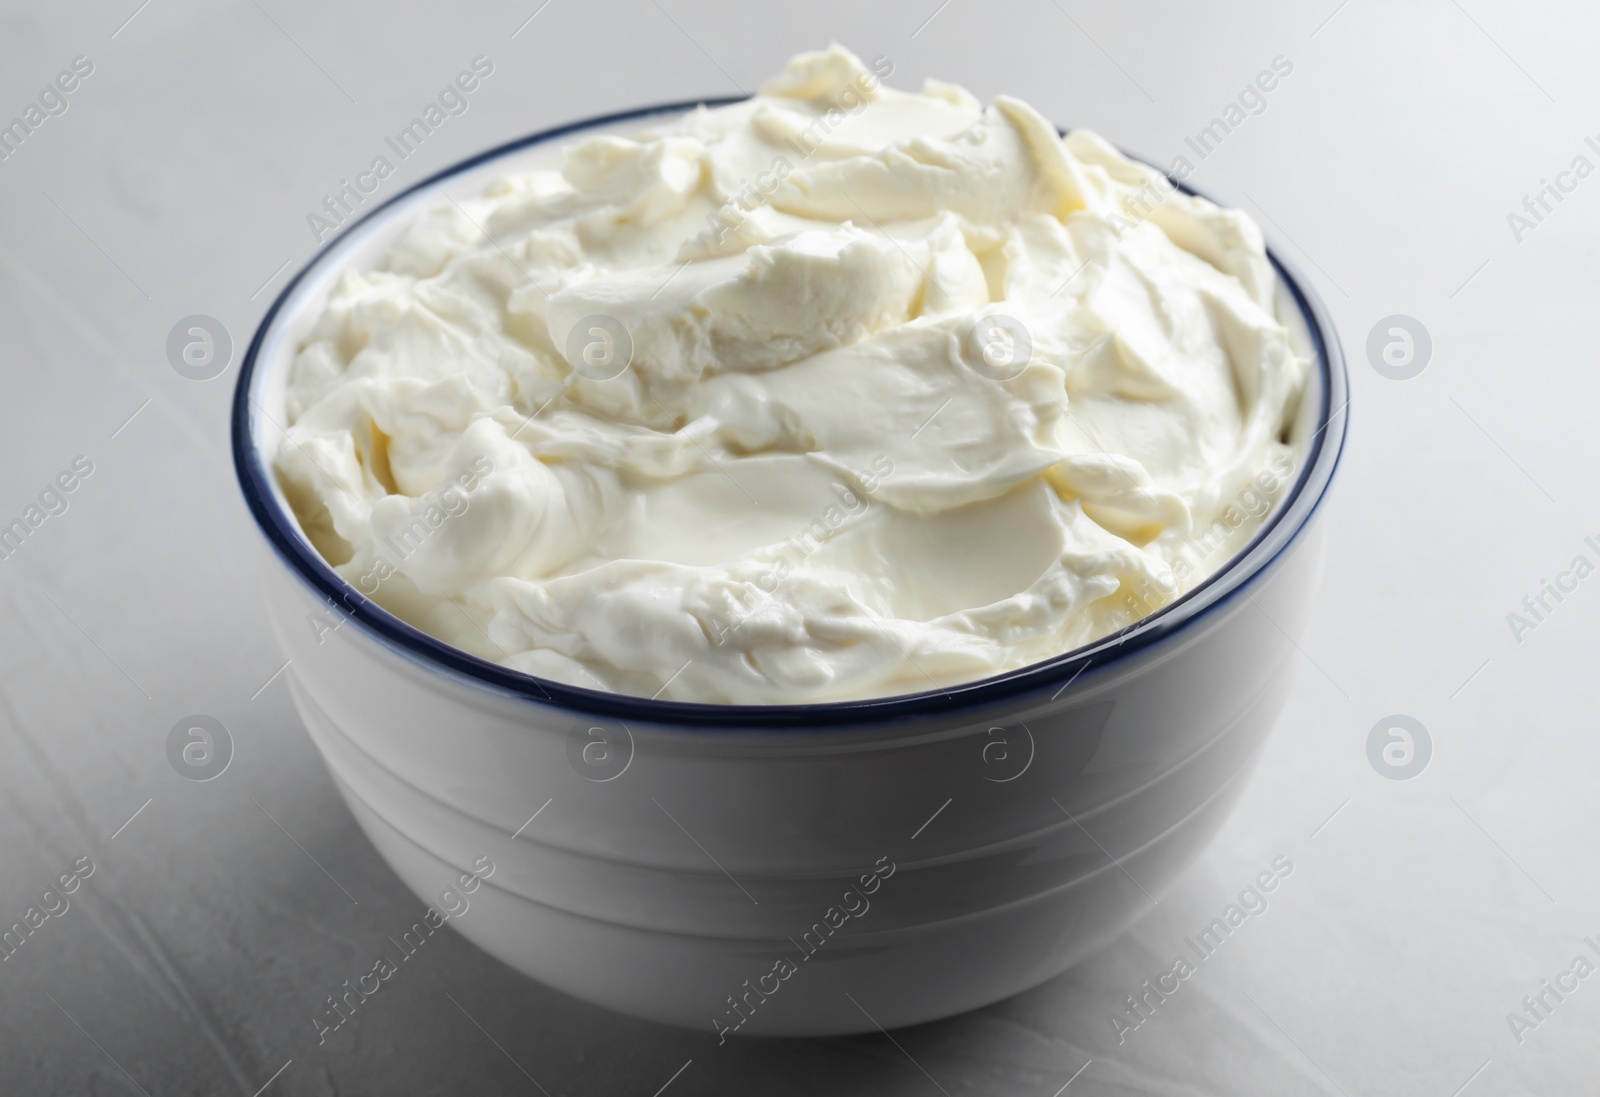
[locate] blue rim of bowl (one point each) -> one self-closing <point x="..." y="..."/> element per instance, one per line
<point x="1287" y="522"/>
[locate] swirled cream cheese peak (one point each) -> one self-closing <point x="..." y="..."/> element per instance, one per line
<point x="836" y="392"/>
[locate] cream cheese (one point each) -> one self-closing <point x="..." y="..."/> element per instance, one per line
<point x="836" y="392"/>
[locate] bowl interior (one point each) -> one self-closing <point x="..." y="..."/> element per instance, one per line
<point x="259" y="423"/>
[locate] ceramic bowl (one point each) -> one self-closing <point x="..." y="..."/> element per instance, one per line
<point x="800" y="869"/>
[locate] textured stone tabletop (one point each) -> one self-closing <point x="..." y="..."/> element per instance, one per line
<point x="1426" y="161"/>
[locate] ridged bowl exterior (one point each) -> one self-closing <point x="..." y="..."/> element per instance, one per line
<point x="660" y="892"/>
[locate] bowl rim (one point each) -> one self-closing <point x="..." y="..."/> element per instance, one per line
<point x="1283" y="528"/>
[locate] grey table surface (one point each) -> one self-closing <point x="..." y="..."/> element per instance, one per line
<point x="220" y="914"/>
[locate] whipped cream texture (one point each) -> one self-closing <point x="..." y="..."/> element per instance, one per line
<point x="836" y="392"/>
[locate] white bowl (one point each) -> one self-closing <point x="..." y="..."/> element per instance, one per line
<point x="932" y="852"/>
